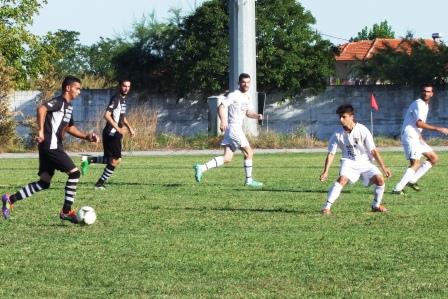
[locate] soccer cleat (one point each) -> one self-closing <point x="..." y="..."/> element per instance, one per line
<point x="70" y="216"/>
<point x="396" y="192"/>
<point x="414" y="186"/>
<point x="6" y="206"/>
<point x="84" y="165"/>
<point x="255" y="184"/>
<point x="197" y="172"/>
<point x="380" y="208"/>
<point x="325" y="211"/>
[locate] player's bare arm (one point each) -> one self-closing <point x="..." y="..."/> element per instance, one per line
<point x="422" y="125"/>
<point x="222" y="117"/>
<point x="128" y="125"/>
<point x="328" y="162"/>
<point x="254" y="115"/>
<point x="111" y="121"/>
<point x="75" y="132"/>
<point x="41" y="114"/>
<point x="376" y="154"/>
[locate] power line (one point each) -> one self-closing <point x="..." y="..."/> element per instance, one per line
<point x="332" y="36"/>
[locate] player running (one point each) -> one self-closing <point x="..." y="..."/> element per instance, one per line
<point x="113" y="132"/>
<point x="54" y="118"/>
<point x="358" y="149"/>
<point x="413" y="144"/>
<point x="238" y="104"/>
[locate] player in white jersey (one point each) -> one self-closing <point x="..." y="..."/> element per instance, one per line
<point x="413" y="144"/>
<point x="238" y="104"/>
<point x="358" y="151"/>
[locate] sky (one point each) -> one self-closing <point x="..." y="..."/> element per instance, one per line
<point x="342" y="19"/>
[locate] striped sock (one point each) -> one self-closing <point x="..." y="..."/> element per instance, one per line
<point x="29" y="190"/>
<point x="108" y="171"/>
<point x="248" y="171"/>
<point x="70" y="190"/>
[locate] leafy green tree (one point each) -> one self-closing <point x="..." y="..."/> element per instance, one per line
<point x="412" y="63"/>
<point x="381" y="30"/>
<point x="15" y="39"/>
<point x="291" y="55"/>
<point x="7" y="122"/>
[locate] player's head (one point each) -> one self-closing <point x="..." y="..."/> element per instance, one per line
<point x="244" y="82"/>
<point x="124" y="86"/>
<point x="71" y="87"/>
<point x="427" y="91"/>
<point x="346" y="115"/>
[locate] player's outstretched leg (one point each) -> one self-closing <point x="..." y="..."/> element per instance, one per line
<point x="407" y="176"/>
<point x="108" y="171"/>
<point x="333" y="194"/>
<point x="199" y="169"/>
<point x="87" y="160"/>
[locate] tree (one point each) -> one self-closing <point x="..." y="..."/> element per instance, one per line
<point x="412" y="63"/>
<point x="7" y="122"/>
<point x="15" y="39"/>
<point x="381" y="30"/>
<point x="291" y="55"/>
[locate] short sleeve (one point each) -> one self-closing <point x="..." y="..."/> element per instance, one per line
<point x="420" y="111"/>
<point x="54" y="104"/>
<point x="333" y="144"/>
<point x="227" y="101"/>
<point x="368" y="141"/>
<point x="114" y="101"/>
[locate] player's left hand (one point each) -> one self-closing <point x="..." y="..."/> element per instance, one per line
<point x="132" y="132"/>
<point x="92" y="137"/>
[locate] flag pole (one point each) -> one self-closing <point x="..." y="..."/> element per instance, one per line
<point x="371" y="120"/>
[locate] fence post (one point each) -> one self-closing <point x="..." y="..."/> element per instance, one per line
<point x="213" y="119"/>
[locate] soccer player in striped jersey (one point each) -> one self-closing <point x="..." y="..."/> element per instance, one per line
<point x="116" y="125"/>
<point x="358" y="151"/>
<point x="238" y="104"/>
<point x="54" y="118"/>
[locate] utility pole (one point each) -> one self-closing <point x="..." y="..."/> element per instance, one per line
<point x="243" y="52"/>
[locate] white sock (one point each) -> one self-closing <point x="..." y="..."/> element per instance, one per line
<point x="421" y="171"/>
<point x="408" y="175"/>
<point x="215" y="162"/>
<point x="378" y="195"/>
<point x="248" y="171"/>
<point x="333" y="194"/>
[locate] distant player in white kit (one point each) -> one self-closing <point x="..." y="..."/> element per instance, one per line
<point x="413" y="144"/>
<point x="358" y="149"/>
<point x="238" y="104"/>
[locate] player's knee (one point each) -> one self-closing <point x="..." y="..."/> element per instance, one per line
<point x="433" y="159"/>
<point x="115" y="162"/>
<point x="74" y="175"/>
<point x="227" y="159"/>
<point x="44" y="184"/>
<point x="342" y="180"/>
<point x="379" y="180"/>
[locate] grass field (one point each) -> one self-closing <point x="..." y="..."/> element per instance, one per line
<point x="160" y="234"/>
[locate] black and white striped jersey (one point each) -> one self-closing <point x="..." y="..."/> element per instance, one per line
<point x="117" y="107"/>
<point x="59" y="117"/>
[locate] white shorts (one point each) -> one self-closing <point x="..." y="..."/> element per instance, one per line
<point x="355" y="169"/>
<point x="235" y="139"/>
<point x="414" y="147"/>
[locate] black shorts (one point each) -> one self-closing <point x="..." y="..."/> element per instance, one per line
<point x="112" y="146"/>
<point x="54" y="159"/>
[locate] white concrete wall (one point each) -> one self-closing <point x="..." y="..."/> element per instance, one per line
<point x="315" y="114"/>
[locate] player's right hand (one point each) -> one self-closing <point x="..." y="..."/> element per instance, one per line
<point x="323" y="176"/>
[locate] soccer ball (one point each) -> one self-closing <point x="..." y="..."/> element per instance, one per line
<point x="86" y="215"/>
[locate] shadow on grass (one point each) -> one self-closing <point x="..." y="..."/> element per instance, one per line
<point x="230" y="209"/>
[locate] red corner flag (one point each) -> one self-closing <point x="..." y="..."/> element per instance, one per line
<point x="373" y="102"/>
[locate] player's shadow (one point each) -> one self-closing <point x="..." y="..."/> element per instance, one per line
<point x="122" y="184"/>
<point x="230" y="209"/>
<point x="279" y="190"/>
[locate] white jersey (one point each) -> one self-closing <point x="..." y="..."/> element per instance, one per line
<point x="237" y="104"/>
<point x="356" y="145"/>
<point x="417" y="110"/>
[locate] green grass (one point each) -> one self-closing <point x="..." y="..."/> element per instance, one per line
<point x="159" y="234"/>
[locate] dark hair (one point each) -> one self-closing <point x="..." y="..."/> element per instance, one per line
<point x="345" y="108"/>
<point x="243" y="76"/>
<point x="427" y="85"/>
<point x="69" y="80"/>
<point x="121" y="81"/>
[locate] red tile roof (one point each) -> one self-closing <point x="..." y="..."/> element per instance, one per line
<point x="365" y="49"/>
